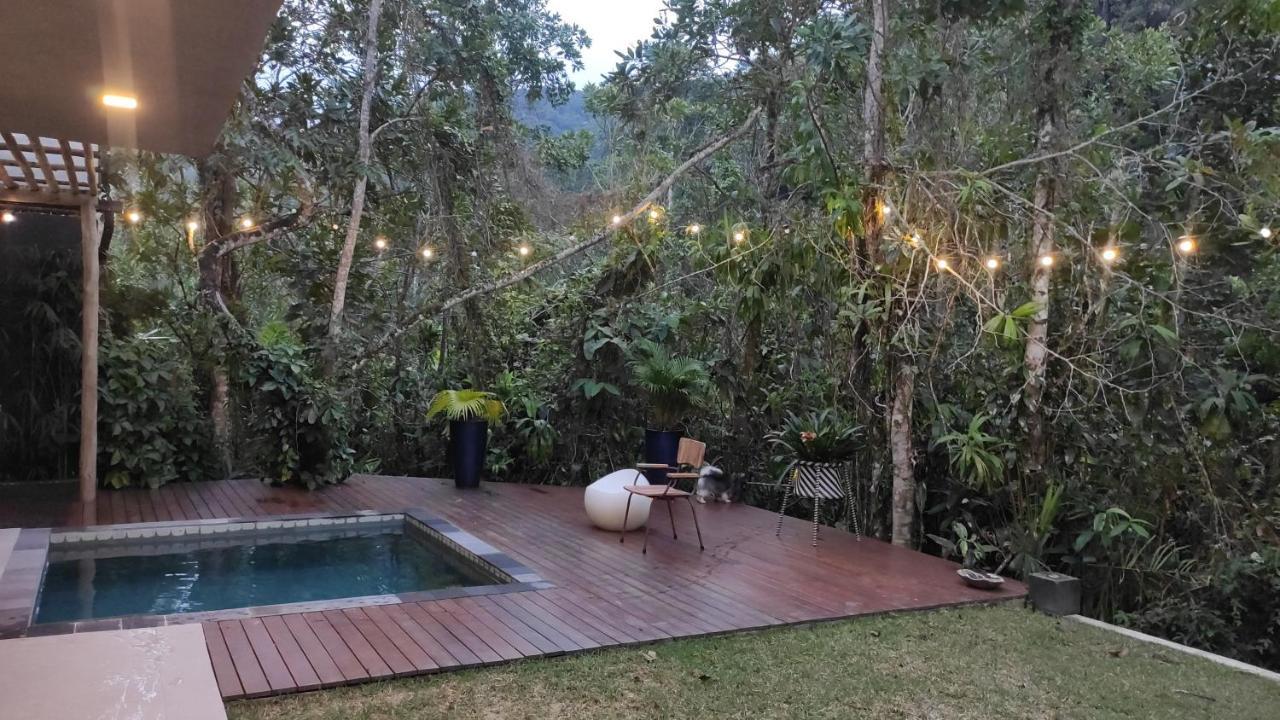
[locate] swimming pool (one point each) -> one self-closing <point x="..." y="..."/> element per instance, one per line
<point x="161" y="573"/>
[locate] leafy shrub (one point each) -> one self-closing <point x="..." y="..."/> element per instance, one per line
<point x="1232" y="612"/>
<point x="151" y="432"/>
<point x="299" y="420"/>
<point x="675" y="385"/>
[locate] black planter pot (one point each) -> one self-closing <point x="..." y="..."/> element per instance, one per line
<point x="660" y="446"/>
<point x="468" y="440"/>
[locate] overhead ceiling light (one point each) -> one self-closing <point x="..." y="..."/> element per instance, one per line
<point x="122" y="102"/>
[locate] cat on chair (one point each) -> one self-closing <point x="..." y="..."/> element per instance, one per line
<point x="713" y="485"/>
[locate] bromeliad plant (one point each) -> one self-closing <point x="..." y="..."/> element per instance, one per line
<point x="824" y="436"/>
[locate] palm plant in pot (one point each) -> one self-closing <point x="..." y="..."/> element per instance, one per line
<point x="820" y="445"/>
<point x="674" y="386"/>
<point x="469" y="413"/>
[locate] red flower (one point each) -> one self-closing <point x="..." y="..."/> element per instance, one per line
<point x="808" y="437"/>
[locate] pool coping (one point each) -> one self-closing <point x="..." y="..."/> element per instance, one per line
<point x="22" y="573"/>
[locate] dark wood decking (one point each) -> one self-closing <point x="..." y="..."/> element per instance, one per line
<point x="606" y="593"/>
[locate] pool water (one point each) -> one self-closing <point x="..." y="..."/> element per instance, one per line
<point x="255" y="570"/>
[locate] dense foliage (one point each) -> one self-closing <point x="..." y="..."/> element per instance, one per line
<point x="1024" y="248"/>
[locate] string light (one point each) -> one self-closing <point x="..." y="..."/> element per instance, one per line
<point x="1186" y="245"/>
<point x="193" y="225"/>
<point x="1110" y="255"/>
<point x="427" y="252"/>
<point x="884" y="209"/>
<point x="617" y="220"/>
<point x="914" y="239"/>
<point x="7" y="217"/>
<point x="380" y="243"/>
<point x="654" y="214"/>
<point x="334" y="226"/>
<point x="246" y="222"/>
<point x="1265" y="232"/>
<point x="694" y="229"/>
<point x="992" y="263"/>
<point x="133" y="216"/>
<point x="524" y="250"/>
<point x="942" y="264"/>
<point x="739" y="236"/>
<point x="786" y="230"/>
<point x="1046" y="261"/>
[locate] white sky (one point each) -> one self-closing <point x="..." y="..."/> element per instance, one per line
<point x="612" y="25"/>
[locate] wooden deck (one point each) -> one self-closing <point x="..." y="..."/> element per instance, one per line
<point x="606" y="594"/>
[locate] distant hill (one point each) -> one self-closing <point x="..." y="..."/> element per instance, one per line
<point x="570" y="116"/>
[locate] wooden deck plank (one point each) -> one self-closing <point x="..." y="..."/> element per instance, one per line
<point x="543" y="643"/>
<point x="224" y="669"/>
<point x="269" y="657"/>
<point x="424" y="639"/>
<point x="462" y="655"/>
<point x="335" y="647"/>
<point x="512" y="637"/>
<point x="369" y="658"/>
<point x="321" y="661"/>
<point x="304" y="675"/>
<point x="419" y="659"/>
<point x="386" y="649"/>
<point x="252" y="678"/>
<point x="467" y="619"/>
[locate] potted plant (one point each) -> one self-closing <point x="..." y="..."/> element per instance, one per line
<point x="820" y="445"/>
<point x="469" y="413"/>
<point x="675" y="386"/>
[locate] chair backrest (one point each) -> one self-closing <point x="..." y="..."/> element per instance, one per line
<point x="691" y="453"/>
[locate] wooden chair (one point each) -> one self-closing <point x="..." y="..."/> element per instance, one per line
<point x="689" y="455"/>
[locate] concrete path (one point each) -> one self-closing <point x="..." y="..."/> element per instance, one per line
<point x="160" y="673"/>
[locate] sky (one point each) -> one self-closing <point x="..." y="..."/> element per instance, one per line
<point x="611" y="24"/>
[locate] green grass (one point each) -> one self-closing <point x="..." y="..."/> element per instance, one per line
<point x="981" y="662"/>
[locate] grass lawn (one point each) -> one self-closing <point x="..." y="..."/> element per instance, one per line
<point x="980" y="662"/>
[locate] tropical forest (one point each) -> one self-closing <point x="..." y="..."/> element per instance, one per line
<point x="1016" y="263"/>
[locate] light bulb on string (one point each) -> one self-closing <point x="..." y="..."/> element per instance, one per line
<point x="246" y="223"/>
<point x="694" y="229"/>
<point x="524" y="250"/>
<point x="193" y="225"/>
<point x="942" y="264"/>
<point x="739" y="236"/>
<point x="1110" y="255"/>
<point x="1265" y="232"/>
<point x="428" y="253"/>
<point x="1045" y="261"/>
<point x="617" y="220"/>
<point x="992" y="263"/>
<point x="1186" y="244"/>
<point x="380" y="243"/>
<point x="134" y="217"/>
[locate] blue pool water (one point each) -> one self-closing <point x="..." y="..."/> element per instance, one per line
<point x="180" y="577"/>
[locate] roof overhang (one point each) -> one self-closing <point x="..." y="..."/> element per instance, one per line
<point x="183" y="60"/>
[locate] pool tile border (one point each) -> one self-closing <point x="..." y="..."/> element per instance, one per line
<point x="24" y="569"/>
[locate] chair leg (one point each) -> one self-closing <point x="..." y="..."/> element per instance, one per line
<point x="671" y="515"/>
<point x="644" y="550"/>
<point x="694" y="512"/>
<point x="622" y="534"/>
<point x="816" y="506"/>
<point x="786" y="495"/>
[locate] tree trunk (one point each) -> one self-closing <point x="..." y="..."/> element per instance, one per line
<point x="1056" y="21"/>
<point x="903" y="456"/>
<point x="363" y="153"/>
<point x="217" y="281"/>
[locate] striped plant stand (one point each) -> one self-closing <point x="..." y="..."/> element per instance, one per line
<point x="819" y="481"/>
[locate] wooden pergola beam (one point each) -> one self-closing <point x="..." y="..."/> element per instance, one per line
<point x="21" y="158"/>
<point x="73" y="175"/>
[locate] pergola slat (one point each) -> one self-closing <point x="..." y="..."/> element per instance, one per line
<point x="9" y="182"/>
<point x="20" y="157"/>
<point x="51" y="183"/>
<point x="73" y="175"/>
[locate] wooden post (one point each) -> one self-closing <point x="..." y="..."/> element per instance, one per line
<point x="90" y="236"/>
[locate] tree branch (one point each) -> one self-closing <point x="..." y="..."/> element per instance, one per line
<point x="490" y="287"/>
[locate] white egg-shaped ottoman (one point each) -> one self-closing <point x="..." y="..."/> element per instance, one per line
<point x="606" y="501"/>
